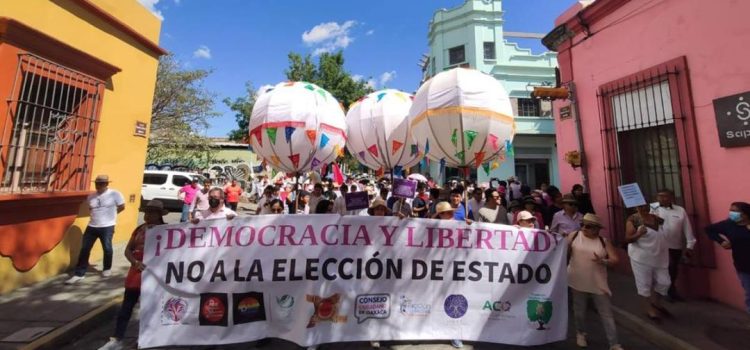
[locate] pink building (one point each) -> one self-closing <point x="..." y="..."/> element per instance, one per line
<point x="659" y="97"/>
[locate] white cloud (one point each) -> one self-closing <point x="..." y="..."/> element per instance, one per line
<point x="387" y="77"/>
<point x="151" y="6"/>
<point x="330" y="36"/>
<point x="372" y="84"/>
<point x="202" y="52"/>
<point x="370" y="32"/>
<point x="357" y="77"/>
<point x="177" y="2"/>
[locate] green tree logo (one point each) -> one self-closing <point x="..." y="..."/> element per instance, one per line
<point x="539" y="311"/>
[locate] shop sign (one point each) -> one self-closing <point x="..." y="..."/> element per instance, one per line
<point x="733" y="119"/>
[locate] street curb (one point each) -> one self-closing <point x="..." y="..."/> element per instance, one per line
<point x="60" y="336"/>
<point x="653" y="334"/>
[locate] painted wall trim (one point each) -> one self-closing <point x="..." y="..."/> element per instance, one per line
<point x="27" y="38"/>
<point x="128" y="30"/>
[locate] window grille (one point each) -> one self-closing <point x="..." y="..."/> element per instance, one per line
<point x="47" y="139"/>
<point x="649" y="136"/>
<point x="529" y="107"/>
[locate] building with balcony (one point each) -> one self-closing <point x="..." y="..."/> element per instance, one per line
<point x="77" y="80"/>
<point x="472" y="35"/>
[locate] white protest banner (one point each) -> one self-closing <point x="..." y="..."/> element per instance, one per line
<point x="314" y="279"/>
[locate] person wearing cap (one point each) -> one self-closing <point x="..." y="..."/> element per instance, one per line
<point x="569" y="219"/>
<point x="216" y="208"/>
<point x="589" y="254"/>
<point x="524" y="219"/>
<point x="188" y="193"/>
<point x="530" y="206"/>
<point x="153" y="214"/>
<point x="104" y="205"/>
<point x="446" y="211"/>
<point x="649" y="259"/>
<point x="378" y="207"/>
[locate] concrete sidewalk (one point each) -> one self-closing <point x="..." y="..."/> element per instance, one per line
<point x="63" y="308"/>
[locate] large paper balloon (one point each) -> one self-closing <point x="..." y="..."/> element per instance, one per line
<point x="462" y="118"/>
<point x="297" y="126"/>
<point x="378" y="131"/>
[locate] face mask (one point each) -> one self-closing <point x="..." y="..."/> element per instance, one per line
<point x="735" y="216"/>
<point x="214" y="202"/>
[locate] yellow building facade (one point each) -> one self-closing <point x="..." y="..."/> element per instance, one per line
<point x="79" y="78"/>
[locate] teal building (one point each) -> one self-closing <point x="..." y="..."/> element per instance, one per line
<point x="472" y="36"/>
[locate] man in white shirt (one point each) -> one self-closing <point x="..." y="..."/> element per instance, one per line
<point x="104" y="205"/>
<point x="678" y="234"/>
<point x="216" y="208"/>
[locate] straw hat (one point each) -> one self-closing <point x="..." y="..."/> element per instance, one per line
<point x="102" y="179"/>
<point x="592" y="219"/>
<point x="378" y="202"/>
<point x="156" y="205"/>
<point x="443" y="207"/>
<point x="525" y="215"/>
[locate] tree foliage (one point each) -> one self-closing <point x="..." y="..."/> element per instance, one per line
<point x="181" y="110"/>
<point x="242" y="108"/>
<point x="328" y="73"/>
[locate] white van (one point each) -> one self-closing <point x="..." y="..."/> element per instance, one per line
<point x="164" y="185"/>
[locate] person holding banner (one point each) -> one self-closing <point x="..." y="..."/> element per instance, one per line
<point x="589" y="254"/>
<point x="446" y="211"/>
<point x="649" y="258"/>
<point x="216" y="208"/>
<point x="153" y="215"/>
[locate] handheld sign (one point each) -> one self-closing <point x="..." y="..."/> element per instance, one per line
<point x="404" y="188"/>
<point x="631" y="195"/>
<point x="356" y="200"/>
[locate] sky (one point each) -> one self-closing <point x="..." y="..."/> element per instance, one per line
<point x="244" y="41"/>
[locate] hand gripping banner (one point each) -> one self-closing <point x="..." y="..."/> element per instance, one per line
<point x="314" y="279"/>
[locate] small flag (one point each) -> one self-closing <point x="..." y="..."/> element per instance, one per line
<point x="275" y="160"/>
<point x="338" y="176"/>
<point x="380" y="96"/>
<point x="258" y="136"/>
<point x="288" y="131"/>
<point x="509" y="148"/>
<point x="373" y="150"/>
<point x="397" y="170"/>
<point x="492" y="140"/>
<point x="414" y="150"/>
<point x="486" y="167"/>
<point x="495" y="165"/>
<point x="295" y="159"/>
<point x="478" y="158"/>
<point x="470" y="136"/>
<point x="311" y="135"/>
<point x="315" y="163"/>
<point x="427" y="147"/>
<point x="460" y="155"/>
<point x="380" y="172"/>
<point x="454" y="138"/>
<point x="310" y="87"/>
<point x="271" y="132"/>
<point x="323" y="140"/>
<point x="396" y="146"/>
<point x="361" y="154"/>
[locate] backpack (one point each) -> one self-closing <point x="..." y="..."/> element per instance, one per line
<point x="575" y="235"/>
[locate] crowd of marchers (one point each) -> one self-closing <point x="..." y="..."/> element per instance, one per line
<point x="658" y="235"/>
